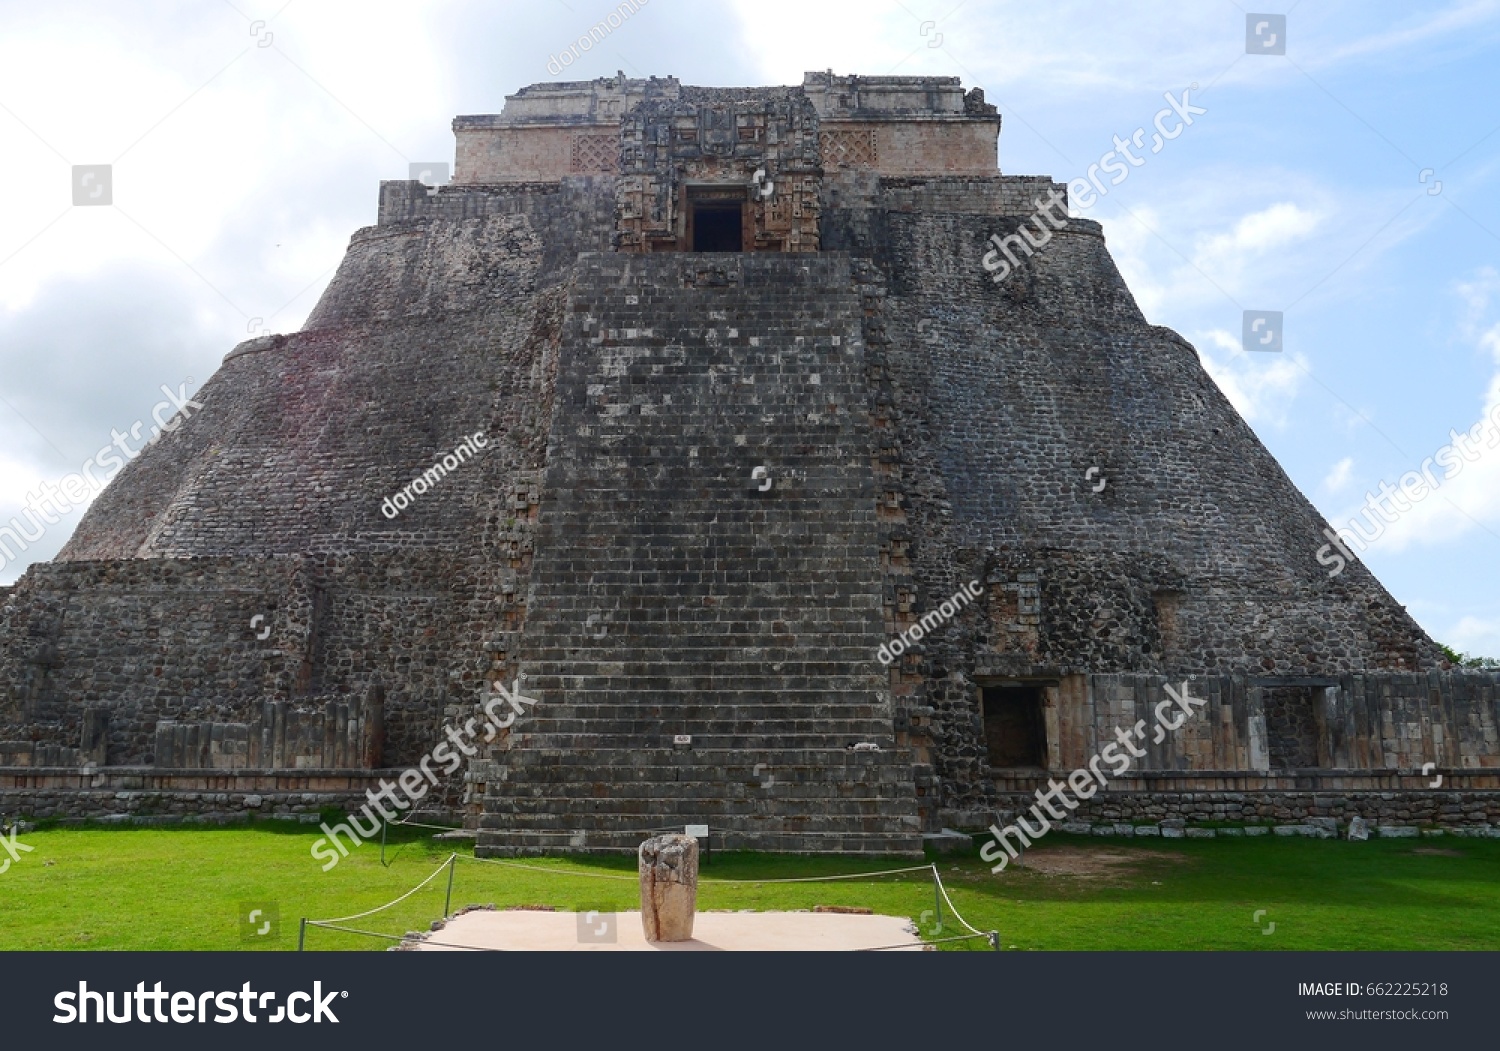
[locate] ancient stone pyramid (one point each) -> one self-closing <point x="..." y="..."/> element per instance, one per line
<point x="752" y="406"/>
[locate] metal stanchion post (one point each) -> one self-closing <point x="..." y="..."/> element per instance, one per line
<point x="937" y="897"/>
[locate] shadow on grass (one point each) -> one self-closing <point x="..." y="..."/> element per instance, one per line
<point x="1292" y="870"/>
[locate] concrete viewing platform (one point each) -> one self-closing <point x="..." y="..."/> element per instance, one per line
<point x="536" y="931"/>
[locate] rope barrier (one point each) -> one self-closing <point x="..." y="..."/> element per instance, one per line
<point x="818" y="879"/>
<point x="399" y="937"/>
<point x="944" y="891"/>
<point x="331" y="924"/>
<point x="419" y="824"/>
<point x="923" y="944"/>
<point x="382" y="908"/>
<point x="553" y="872"/>
<point x="701" y="882"/>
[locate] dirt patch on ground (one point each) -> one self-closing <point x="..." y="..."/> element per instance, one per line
<point x="1100" y="863"/>
<point x="1438" y="852"/>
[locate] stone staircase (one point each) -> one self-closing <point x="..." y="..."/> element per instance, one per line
<point x="672" y="595"/>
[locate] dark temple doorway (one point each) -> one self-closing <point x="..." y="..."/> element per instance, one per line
<point x="718" y="226"/>
<point x="1294" y="727"/>
<point x="1015" y="734"/>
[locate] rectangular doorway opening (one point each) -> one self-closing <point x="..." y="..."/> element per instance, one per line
<point x="1015" y="732"/>
<point x="717" y="224"/>
<point x="1294" y="731"/>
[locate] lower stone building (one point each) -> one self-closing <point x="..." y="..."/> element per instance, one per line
<point x="756" y="411"/>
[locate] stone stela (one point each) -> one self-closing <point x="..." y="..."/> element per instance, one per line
<point x="669" y="887"/>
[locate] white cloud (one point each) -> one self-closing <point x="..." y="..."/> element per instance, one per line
<point x="1475" y="636"/>
<point x="1339" y="476"/>
<point x="1467" y="468"/>
<point x="1461" y="18"/>
<point x="1258" y="234"/>
<point x="1261" y="387"/>
<point x="1462" y="503"/>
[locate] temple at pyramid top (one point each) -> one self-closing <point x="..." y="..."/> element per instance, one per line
<point x="888" y="125"/>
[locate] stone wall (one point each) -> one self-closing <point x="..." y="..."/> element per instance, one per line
<point x="246" y="558"/>
<point x="571" y="215"/>
<point x="909" y="147"/>
<point x="165" y="797"/>
<point x="898" y="125"/>
<point x="178" y="641"/>
<point x="549" y="131"/>
<point x="1196" y="557"/>
<point x="147" y="640"/>
<point x="1381" y="722"/>
<point x="419" y="342"/>
<point x="1217" y="810"/>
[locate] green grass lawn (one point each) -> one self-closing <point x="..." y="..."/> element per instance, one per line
<point x="87" y="888"/>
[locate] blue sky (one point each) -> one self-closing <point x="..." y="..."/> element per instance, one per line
<point x="239" y="172"/>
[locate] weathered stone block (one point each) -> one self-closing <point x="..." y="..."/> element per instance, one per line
<point x="669" y="887"/>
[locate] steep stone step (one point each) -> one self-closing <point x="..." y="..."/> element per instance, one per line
<point x="521" y="842"/>
<point x="673" y="592"/>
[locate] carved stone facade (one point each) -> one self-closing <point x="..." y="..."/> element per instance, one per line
<point x="760" y="156"/>
<point x="763" y="152"/>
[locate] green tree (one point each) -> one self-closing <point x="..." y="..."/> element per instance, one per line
<point x="1464" y="660"/>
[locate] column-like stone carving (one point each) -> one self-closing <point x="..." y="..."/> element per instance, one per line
<point x="669" y="887"/>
